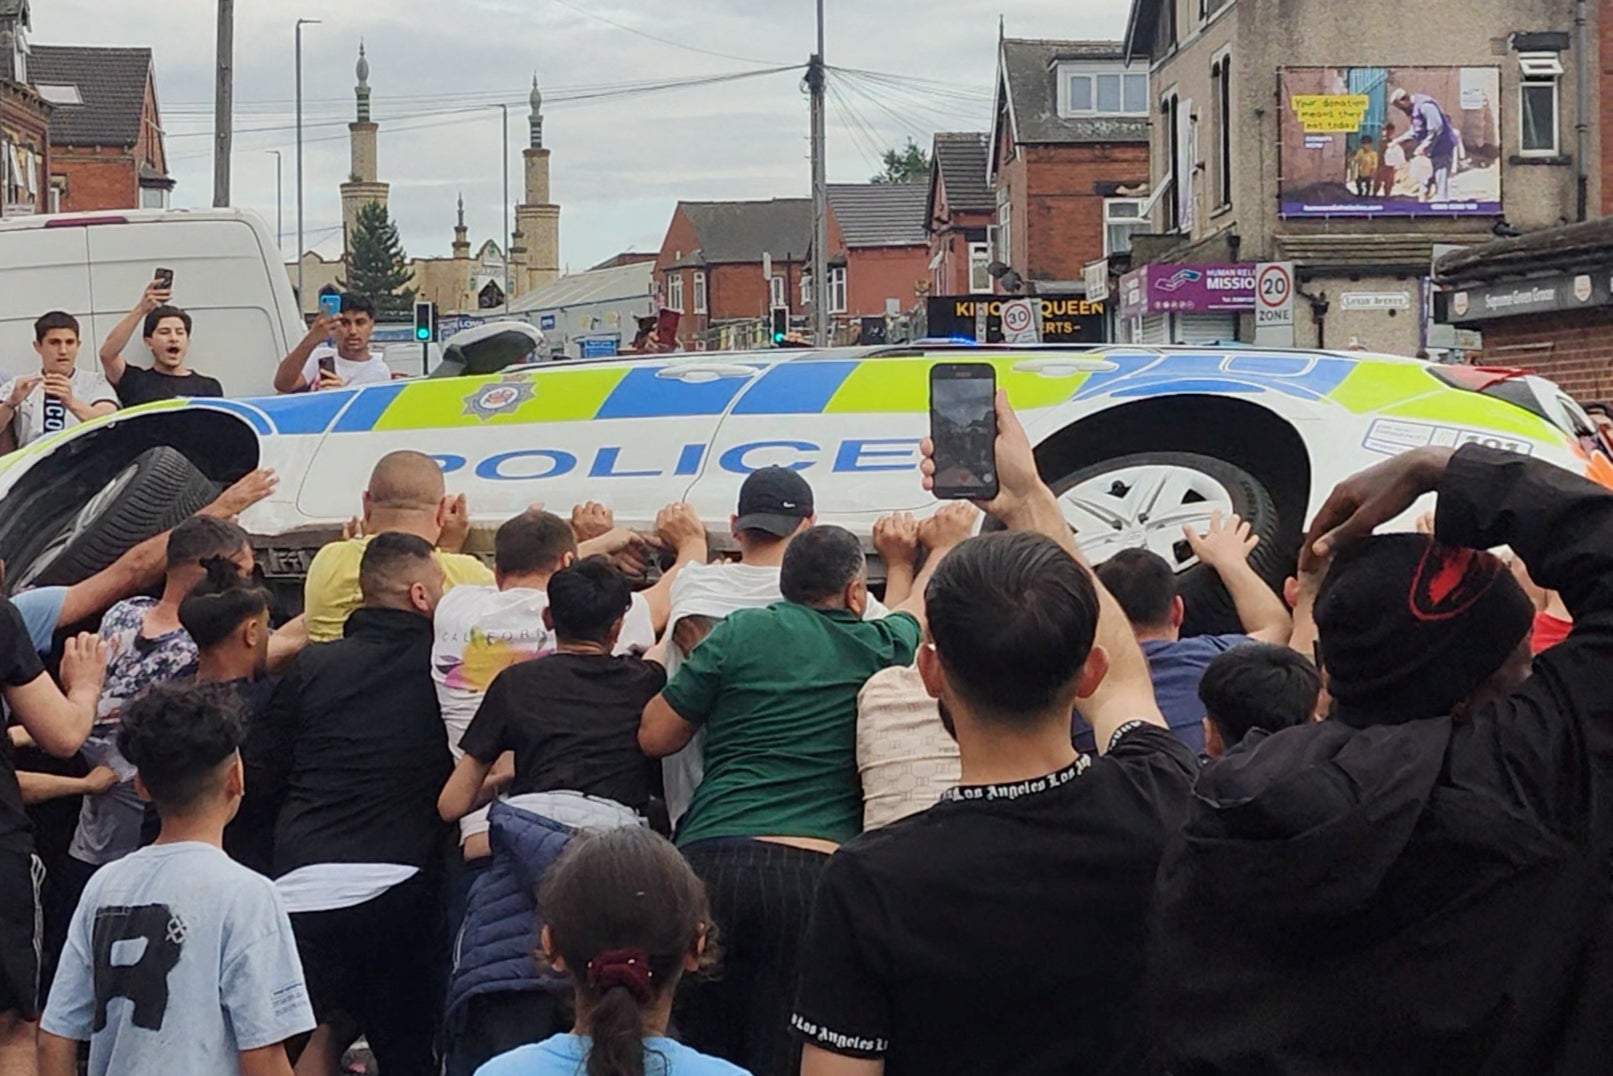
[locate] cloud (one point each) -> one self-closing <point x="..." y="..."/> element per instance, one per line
<point x="619" y="162"/>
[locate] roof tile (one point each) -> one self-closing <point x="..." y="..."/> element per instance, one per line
<point x="962" y="157"/>
<point x="1033" y="92"/>
<point x="112" y="83"/>
<point x="730" y="232"/>
<point x="880" y="214"/>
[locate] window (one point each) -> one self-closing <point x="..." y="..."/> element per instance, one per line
<point x="1170" y="108"/>
<point x="1221" y="100"/>
<point x="806" y="290"/>
<point x="1003" y="248"/>
<point x="1539" y="90"/>
<point x="699" y="292"/>
<point x="59" y="95"/>
<point x="776" y="291"/>
<point x="674" y="292"/>
<point x="1122" y="219"/>
<point x="1105" y="93"/>
<point x="153" y="198"/>
<point x="979" y="259"/>
<point x="837" y="290"/>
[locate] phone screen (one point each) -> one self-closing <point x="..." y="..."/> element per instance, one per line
<point x="963" y="425"/>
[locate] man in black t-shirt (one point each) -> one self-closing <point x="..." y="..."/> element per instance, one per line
<point x="58" y="723"/>
<point x="571" y="718"/>
<point x="1003" y="930"/>
<point x="167" y="335"/>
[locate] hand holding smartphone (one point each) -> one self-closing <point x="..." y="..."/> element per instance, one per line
<point x="330" y="306"/>
<point x="164" y="279"/>
<point x="963" y="427"/>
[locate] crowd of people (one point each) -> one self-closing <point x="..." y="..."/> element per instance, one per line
<point x="569" y="814"/>
<point x="336" y="352"/>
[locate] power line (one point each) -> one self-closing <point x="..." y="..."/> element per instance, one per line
<point x="402" y="121"/>
<point x="662" y="40"/>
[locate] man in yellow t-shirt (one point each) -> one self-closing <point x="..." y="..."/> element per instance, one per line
<point x="407" y="495"/>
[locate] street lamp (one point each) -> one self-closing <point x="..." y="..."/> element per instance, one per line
<point x="505" y="111"/>
<point x="279" y="202"/>
<point x="300" y="24"/>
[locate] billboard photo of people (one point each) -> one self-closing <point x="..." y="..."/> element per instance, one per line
<point x="1391" y="141"/>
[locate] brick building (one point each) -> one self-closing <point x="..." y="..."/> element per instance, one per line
<point x="959" y="214"/>
<point x="24" y="120"/>
<point x="1325" y="135"/>
<point x="879" y="252"/>
<point x="710" y="268"/>
<point x="1069" y="140"/>
<point x="105" y="131"/>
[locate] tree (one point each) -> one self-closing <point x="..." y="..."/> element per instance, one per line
<point x="907" y="165"/>
<point x="376" y="263"/>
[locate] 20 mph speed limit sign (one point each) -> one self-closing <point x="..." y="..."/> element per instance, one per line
<point x="1274" y="304"/>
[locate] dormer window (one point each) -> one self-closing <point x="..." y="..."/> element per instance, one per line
<point x="1096" y="91"/>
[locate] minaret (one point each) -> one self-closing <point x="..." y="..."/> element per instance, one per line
<point x="361" y="187"/>
<point x="461" y="236"/>
<point x="537" y="220"/>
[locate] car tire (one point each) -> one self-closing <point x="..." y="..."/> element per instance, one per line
<point x="156" y="492"/>
<point x="1209" y="608"/>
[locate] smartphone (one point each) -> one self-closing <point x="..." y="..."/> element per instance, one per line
<point x="327" y="364"/>
<point x="164" y="277"/>
<point x="330" y="305"/>
<point x="963" y="426"/>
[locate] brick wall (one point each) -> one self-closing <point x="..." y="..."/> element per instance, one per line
<point x="105" y="178"/>
<point x="874" y="274"/>
<point x="1573" y="349"/>
<point x="1062" y="218"/>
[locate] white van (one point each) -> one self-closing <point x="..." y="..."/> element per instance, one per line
<point x="228" y="274"/>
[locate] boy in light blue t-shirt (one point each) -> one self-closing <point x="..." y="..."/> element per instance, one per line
<point x="178" y="959"/>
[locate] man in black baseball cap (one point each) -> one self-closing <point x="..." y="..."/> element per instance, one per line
<point x="775" y="501"/>
<point x="1420" y="883"/>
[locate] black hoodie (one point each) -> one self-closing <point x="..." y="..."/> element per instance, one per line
<point x="1426" y="897"/>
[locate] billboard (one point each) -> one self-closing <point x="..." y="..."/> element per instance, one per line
<point x="1187" y="289"/>
<point x="1066" y="319"/>
<point x="1390" y="141"/>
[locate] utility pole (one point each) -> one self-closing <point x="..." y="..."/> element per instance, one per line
<point x="224" y="103"/>
<point x="279" y="203"/>
<point x="820" y="196"/>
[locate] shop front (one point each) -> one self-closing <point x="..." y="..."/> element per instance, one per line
<point x="1185" y="304"/>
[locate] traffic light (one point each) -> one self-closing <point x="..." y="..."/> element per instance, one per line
<point x="425" y="322"/>
<point x="781" y="325"/>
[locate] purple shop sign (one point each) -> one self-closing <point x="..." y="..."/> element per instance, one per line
<point x="1187" y="289"/>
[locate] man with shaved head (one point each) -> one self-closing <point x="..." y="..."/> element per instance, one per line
<point x="351" y="747"/>
<point x="406" y="495"/>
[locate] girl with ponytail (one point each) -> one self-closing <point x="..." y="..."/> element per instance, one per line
<point x="625" y="917"/>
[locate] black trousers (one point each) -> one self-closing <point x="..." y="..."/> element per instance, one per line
<point x="381" y="964"/>
<point x="761" y="897"/>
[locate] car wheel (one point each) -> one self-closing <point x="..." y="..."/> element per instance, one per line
<point x="154" y="493"/>
<point x="1143" y="500"/>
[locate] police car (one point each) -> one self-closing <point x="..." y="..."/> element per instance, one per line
<point x="1136" y="441"/>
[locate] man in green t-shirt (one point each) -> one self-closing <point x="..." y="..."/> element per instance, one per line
<point x="776" y="691"/>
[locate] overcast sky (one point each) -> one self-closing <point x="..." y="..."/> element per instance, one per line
<point x="620" y="162"/>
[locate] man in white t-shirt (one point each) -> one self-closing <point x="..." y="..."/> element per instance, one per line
<point x="336" y="352"/>
<point x="775" y="505"/>
<point x="481" y="631"/>
<point x="60" y="395"/>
